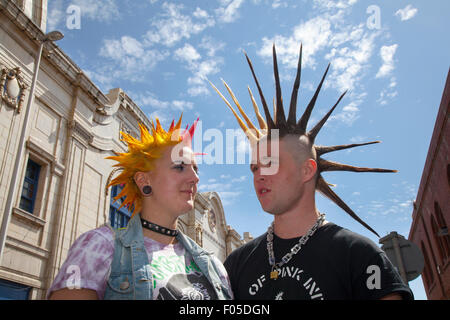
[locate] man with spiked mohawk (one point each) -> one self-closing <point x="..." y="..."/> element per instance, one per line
<point x="303" y="256"/>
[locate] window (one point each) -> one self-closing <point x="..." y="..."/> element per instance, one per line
<point x="13" y="291"/>
<point x="30" y="186"/>
<point x="426" y="273"/>
<point x="118" y="218"/>
<point x="440" y="232"/>
<point x="435" y="229"/>
<point x="448" y="174"/>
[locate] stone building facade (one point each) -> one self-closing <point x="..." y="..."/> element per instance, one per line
<point x="431" y="215"/>
<point x="63" y="173"/>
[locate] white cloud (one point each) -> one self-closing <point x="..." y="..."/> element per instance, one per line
<point x="406" y="13"/>
<point x="162" y="116"/>
<point x="198" y="90"/>
<point x="200" y="69"/>
<point x="329" y="35"/>
<point x="104" y="11"/>
<point x="348" y="115"/>
<point x="104" y="81"/>
<point x="228" y="197"/>
<point x="240" y="179"/>
<point x="182" y="105"/>
<point x="131" y="60"/>
<point x="393" y="82"/>
<point x="314" y="34"/>
<point x="223" y="189"/>
<point x="385" y="95"/>
<point x="150" y="100"/>
<point x="349" y="62"/>
<point x="349" y="47"/>
<point x="211" y="46"/>
<point x="119" y="49"/>
<point x="334" y="4"/>
<point x="200" y="13"/>
<point x="388" y="92"/>
<point x="229" y="11"/>
<point x="387" y="55"/>
<point x="279" y="4"/>
<point x="358" y="139"/>
<point x="187" y="53"/>
<point x="55" y="14"/>
<point x="175" y="26"/>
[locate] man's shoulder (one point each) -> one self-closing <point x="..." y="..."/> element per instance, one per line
<point x="340" y="236"/>
<point x="248" y="247"/>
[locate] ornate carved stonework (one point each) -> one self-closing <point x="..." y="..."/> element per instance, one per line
<point x="12" y="88"/>
<point x="104" y="112"/>
<point x="80" y="132"/>
<point x="127" y="130"/>
<point x="199" y="235"/>
<point x="212" y="220"/>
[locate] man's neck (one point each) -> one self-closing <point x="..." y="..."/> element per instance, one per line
<point x="296" y="223"/>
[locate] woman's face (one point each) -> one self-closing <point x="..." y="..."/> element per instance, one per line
<point x="174" y="181"/>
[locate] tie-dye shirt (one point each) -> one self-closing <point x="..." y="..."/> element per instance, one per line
<point x="175" y="274"/>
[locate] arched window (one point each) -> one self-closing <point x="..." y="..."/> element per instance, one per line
<point x="118" y="217"/>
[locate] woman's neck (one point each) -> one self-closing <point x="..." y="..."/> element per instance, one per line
<point x="164" y="220"/>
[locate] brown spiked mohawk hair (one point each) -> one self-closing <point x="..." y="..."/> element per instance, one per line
<point x="294" y="127"/>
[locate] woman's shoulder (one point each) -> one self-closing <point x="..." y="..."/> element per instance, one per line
<point x="93" y="244"/>
<point x="87" y="262"/>
<point x="101" y="235"/>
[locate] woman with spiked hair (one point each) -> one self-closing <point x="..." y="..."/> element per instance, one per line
<point x="303" y="256"/>
<point x="149" y="259"/>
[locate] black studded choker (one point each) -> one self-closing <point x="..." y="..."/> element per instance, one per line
<point x="157" y="228"/>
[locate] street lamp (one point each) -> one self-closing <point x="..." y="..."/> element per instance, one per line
<point x="51" y="36"/>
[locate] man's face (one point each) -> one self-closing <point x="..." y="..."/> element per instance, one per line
<point x="281" y="190"/>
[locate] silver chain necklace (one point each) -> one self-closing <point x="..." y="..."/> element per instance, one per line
<point x="288" y="256"/>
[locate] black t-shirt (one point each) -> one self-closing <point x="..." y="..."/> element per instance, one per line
<point x="334" y="264"/>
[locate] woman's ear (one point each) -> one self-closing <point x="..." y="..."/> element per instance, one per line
<point x="141" y="179"/>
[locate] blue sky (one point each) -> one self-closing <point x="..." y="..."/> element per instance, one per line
<point x="390" y="55"/>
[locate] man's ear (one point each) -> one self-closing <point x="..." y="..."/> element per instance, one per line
<point x="141" y="179"/>
<point x="309" y="169"/>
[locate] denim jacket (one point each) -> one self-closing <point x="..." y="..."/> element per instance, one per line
<point x="131" y="277"/>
